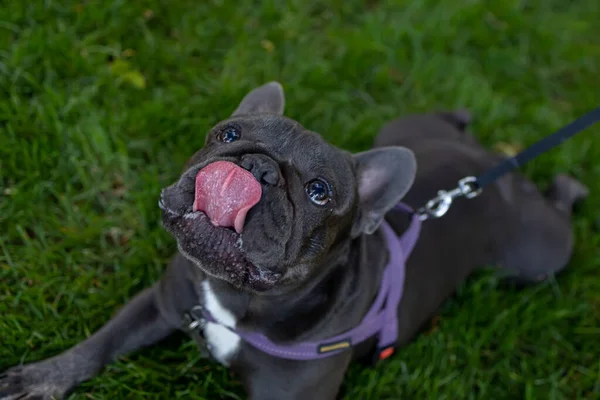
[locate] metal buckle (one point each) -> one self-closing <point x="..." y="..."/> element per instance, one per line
<point x="196" y="314"/>
<point x="194" y="323"/>
<point x="439" y="205"/>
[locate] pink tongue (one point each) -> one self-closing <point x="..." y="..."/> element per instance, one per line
<point x="225" y="192"/>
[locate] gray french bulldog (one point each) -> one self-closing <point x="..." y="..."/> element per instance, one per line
<point x="279" y="232"/>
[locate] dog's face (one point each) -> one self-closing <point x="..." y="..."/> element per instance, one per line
<point x="266" y="203"/>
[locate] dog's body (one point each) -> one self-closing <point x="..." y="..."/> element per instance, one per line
<point x="307" y="271"/>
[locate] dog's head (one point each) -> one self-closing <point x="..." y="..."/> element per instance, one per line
<point x="265" y="203"/>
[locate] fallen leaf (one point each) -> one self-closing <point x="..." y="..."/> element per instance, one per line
<point x="267" y="45"/>
<point x="136" y="79"/>
<point x="119" y="67"/>
<point x="117" y="236"/>
<point x="125" y="71"/>
<point x="508" y="149"/>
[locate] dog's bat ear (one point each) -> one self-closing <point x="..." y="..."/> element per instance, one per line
<point x="384" y="175"/>
<point x="266" y="99"/>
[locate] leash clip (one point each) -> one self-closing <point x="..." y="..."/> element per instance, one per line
<point x="439" y="205"/>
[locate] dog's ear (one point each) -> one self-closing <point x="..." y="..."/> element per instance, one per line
<point x="266" y="99"/>
<point x="384" y="175"/>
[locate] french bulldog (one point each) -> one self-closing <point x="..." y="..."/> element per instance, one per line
<point x="279" y="232"/>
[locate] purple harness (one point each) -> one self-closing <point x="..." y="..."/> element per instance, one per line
<point x="382" y="317"/>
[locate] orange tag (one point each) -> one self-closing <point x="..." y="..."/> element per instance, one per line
<point x="385" y="353"/>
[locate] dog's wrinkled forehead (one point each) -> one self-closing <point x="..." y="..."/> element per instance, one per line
<point x="289" y="142"/>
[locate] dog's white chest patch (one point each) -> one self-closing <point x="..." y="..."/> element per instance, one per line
<point x="223" y="343"/>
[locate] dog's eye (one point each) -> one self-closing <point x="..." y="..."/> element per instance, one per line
<point x="319" y="191"/>
<point x="229" y="134"/>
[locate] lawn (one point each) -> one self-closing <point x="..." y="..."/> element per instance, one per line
<point x="102" y="102"/>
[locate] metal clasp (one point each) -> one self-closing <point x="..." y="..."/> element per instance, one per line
<point x="439" y="205"/>
<point x="194" y="323"/>
<point x="194" y="320"/>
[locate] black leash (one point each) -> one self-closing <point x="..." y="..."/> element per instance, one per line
<point x="471" y="187"/>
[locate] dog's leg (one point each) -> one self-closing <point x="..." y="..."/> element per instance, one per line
<point x="138" y="324"/>
<point x="542" y="241"/>
<point x="565" y="192"/>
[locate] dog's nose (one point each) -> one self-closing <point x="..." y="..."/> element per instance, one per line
<point x="264" y="169"/>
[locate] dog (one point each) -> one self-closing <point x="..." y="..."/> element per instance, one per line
<point x="280" y="233"/>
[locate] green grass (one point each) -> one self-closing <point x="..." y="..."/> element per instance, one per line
<point x="102" y="102"/>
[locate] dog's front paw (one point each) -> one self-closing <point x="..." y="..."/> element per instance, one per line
<point x="30" y="382"/>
